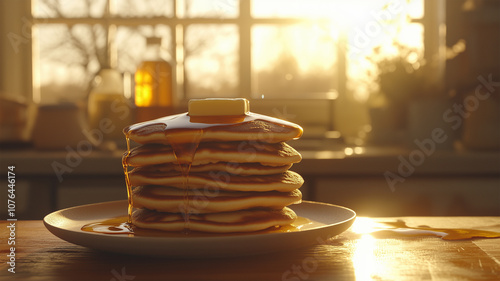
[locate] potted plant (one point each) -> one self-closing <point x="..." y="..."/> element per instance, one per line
<point x="400" y="78"/>
<point x="408" y="105"/>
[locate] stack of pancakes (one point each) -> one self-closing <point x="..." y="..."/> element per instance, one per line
<point x="223" y="178"/>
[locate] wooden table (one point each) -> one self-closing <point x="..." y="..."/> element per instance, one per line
<point x="349" y="256"/>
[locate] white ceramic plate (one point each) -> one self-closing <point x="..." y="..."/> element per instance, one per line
<point x="327" y="221"/>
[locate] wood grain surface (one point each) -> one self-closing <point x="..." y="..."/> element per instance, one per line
<point x="39" y="255"/>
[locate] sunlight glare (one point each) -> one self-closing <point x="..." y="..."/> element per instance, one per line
<point x="367" y="264"/>
<point x="411" y="35"/>
<point x="364" y="258"/>
<point x="316" y="40"/>
<point x="363" y="225"/>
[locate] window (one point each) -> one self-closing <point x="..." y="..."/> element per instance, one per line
<point x="256" y="49"/>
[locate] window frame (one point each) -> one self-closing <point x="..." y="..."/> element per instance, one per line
<point x="244" y="22"/>
<point x="432" y="19"/>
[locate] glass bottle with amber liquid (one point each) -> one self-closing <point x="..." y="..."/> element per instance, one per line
<point x="153" y="83"/>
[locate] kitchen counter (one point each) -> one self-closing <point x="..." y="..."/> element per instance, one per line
<point x="345" y="161"/>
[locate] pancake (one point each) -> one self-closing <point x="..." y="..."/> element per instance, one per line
<point x="284" y="182"/>
<point x="217" y="168"/>
<point x="231" y="168"/>
<point x="185" y="129"/>
<point x="170" y="199"/>
<point x="277" y="154"/>
<point x="226" y="222"/>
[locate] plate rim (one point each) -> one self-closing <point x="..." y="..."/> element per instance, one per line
<point x="307" y="202"/>
<point x="56" y="230"/>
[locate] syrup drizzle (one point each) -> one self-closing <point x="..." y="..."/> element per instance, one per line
<point x="400" y="227"/>
<point x="183" y="148"/>
<point x="188" y="150"/>
<point x="127" y="179"/>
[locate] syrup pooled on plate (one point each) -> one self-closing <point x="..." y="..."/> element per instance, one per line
<point x="120" y="225"/>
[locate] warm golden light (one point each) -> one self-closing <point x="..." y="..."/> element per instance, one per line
<point x="363" y="225"/>
<point x="366" y="23"/>
<point x="143" y="90"/>
<point x="329" y="154"/>
<point x="153" y="84"/>
<point x="318" y="47"/>
<point x="359" y="150"/>
<point x="364" y="259"/>
<point x="333" y="29"/>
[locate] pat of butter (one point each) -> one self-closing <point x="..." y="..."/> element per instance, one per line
<point x="218" y="107"/>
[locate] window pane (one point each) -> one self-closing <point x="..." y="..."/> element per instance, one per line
<point x="131" y="44"/>
<point x="68" y="8"/>
<point x="68" y="57"/>
<point x="412" y="35"/>
<point x="340" y="11"/>
<point x="293" y="61"/>
<point x="211" y="60"/>
<point x="415" y="9"/>
<point x="209" y="9"/>
<point x="144" y="8"/>
<point x="293" y="9"/>
<point x="403" y="44"/>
